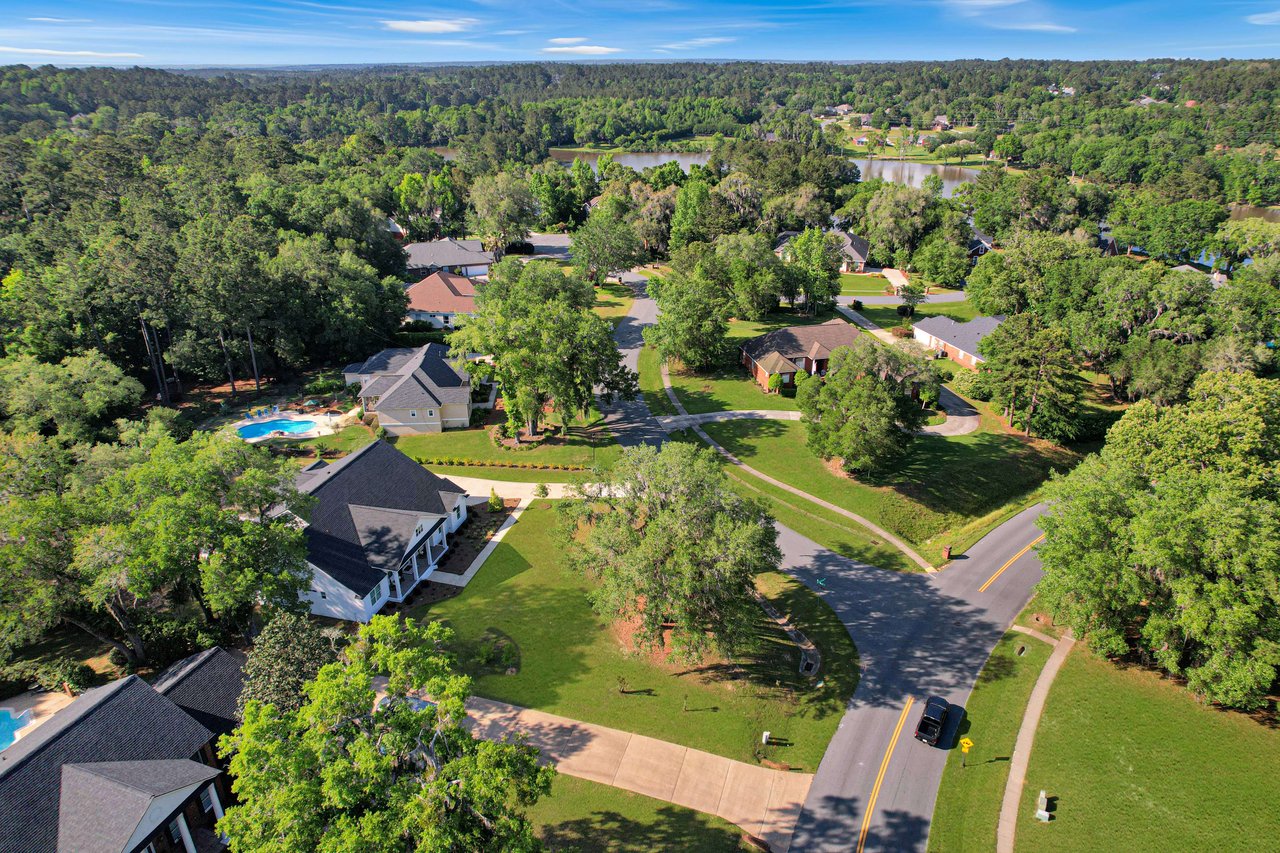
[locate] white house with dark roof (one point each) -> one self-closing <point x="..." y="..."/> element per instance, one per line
<point x="854" y="250"/>
<point x="957" y="341"/>
<point x="463" y="257"/>
<point x="413" y="390"/>
<point x="378" y="528"/>
<point x="126" y="767"/>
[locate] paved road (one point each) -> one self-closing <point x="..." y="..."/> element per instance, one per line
<point x="918" y="635"/>
<point x="630" y="420"/>
<point x="885" y="299"/>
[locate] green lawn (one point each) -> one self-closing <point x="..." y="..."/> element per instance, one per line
<point x="613" y="300"/>
<point x="570" y="660"/>
<point x="969" y="798"/>
<point x="655" y="396"/>
<point x="514" y="475"/>
<point x="886" y="316"/>
<point x="587" y="817"/>
<point x="728" y="388"/>
<point x="1133" y="762"/>
<point x="575" y="448"/>
<point x="862" y="284"/>
<point x="343" y="441"/>
<point x="943" y="491"/>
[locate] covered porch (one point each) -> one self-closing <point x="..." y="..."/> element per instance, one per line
<point x="421" y="561"/>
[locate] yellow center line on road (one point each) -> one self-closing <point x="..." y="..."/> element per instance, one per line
<point x="884" y="765"/>
<point x="1012" y="560"/>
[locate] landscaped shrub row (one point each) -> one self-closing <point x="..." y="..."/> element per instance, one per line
<point x="497" y="463"/>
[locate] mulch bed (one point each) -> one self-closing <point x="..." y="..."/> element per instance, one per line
<point x="469" y="540"/>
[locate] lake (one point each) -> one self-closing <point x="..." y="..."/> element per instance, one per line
<point x="896" y="171"/>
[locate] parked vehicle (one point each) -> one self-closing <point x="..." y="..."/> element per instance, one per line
<point x="932" y="720"/>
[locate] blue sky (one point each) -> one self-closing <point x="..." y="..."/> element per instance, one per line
<point x="284" y="32"/>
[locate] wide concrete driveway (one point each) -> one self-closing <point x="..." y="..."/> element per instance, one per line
<point x="764" y="802"/>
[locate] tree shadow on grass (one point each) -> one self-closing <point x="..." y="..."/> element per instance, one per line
<point x="671" y="829"/>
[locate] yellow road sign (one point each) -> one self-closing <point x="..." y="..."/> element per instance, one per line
<point x="965" y="743"/>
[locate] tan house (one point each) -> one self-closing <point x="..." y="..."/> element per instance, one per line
<point x="783" y="352"/>
<point x="413" y="390"/>
<point x="441" y="299"/>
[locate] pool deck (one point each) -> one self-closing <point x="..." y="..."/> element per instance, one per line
<point x="325" y="425"/>
<point x="42" y="706"/>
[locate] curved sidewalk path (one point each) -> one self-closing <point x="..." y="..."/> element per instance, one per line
<point x="764" y="803"/>
<point x="852" y="516"/>
<point x="1008" y="825"/>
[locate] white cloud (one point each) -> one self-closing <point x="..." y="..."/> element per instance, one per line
<point x="583" y="50"/>
<point x="1265" y="19"/>
<point x="512" y="32"/>
<point x="566" y="41"/>
<point x="1032" y="26"/>
<point x="975" y="6"/>
<point x="43" y="51"/>
<point x="61" y="20"/>
<point x="705" y="41"/>
<point x="439" y="25"/>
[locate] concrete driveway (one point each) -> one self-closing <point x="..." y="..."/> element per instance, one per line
<point x="630" y="420"/>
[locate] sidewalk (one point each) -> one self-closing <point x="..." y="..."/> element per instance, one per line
<point x="1008" y="825"/>
<point x="764" y="803"/>
<point x="479" y="488"/>
<point x="672" y="423"/>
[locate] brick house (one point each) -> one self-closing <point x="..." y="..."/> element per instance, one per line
<point x="957" y="341"/>
<point x="785" y="351"/>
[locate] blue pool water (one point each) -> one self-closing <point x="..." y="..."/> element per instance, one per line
<point x="275" y="425"/>
<point x="9" y="725"/>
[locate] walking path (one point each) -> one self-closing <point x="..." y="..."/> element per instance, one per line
<point x="1026" y="737"/>
<point x="865" y="522"/>
<point x="672" y="423"/>
<point x="764" y="803"/>
<point x="867" y="326"/>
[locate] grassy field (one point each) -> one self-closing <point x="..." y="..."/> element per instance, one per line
<point x="655" y="396"/>
<point x="1133" y="762"/>
<point x="863" y="284"/>
<point x="570" y="660"/>
<point x="943" y="491"/>
<point x="886" y="316"/>
<point x="730" y="387"/>
<point x="969" y="798"/>
<point x="580" y="446"/>
<point x="613" y="300"/>
<point x="343" y="441"/>
<point x="587" y="817"/>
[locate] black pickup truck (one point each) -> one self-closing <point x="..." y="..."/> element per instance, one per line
<point x="932" y="720"/>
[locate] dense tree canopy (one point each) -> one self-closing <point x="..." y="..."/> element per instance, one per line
<point x="363" y="767"/>
<point x="1167" y="542"/>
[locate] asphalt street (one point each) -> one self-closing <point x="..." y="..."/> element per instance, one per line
<point x="630" y="420"/>
<point x="918" y="635"/>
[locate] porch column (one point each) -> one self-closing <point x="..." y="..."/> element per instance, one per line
<point x="217" y="808"/>
<point x="187" y="843"/>
<point x="395" y="579"/>
<point x="414" y="561"/>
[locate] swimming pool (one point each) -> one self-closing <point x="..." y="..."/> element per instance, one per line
<point x="257" y="430"/>
<point x="9" y="725"/>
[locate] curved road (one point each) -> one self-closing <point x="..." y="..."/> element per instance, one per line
<point x="918" y="635"/>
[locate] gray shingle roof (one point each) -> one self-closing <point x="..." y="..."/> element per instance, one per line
<point x="423" y="378"/>
<point x="962" y="336"/>
<point x="123" y="721"/>
<point x="207" y="686"/>
<point x="105" y="803"/>
<point x="446" y="253"/>
<point x="382" y="483"/>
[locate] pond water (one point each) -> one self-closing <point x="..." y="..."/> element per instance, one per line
<point x="1249" y="211"/>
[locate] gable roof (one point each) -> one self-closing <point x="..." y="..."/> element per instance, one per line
<point x="125" y="720"/>
<point x="815" y="342"/>
<point x="360" y="498"/>
<point x="443" y="292"/>
<point x="207" y="686"/>
<point x="853" y="247"/>
<point x="447" y="252"/>
<point x="112" y="806"/>
<point x="962" y="336"/>
<point x="413" y="378"/>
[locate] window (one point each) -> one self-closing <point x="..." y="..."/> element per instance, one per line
<point x="413" y="414"/>
<point x="322" y="595"/>
<point x="206" y="800"/>
<point x="174" y="832"/>
<point x="431" y="413"/>
<point x="376" y="595"/>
